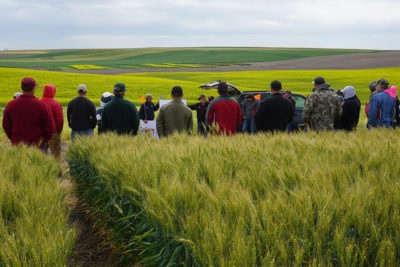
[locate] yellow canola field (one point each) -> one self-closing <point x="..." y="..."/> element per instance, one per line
<point x="87" y="67"/>
<point x="160" y="84"/>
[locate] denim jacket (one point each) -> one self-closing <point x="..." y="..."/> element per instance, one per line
<point x="386" y="104"/>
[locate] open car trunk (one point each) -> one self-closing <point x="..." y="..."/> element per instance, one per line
<point x="233" y="91"/>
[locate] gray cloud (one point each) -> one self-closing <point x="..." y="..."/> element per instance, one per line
<point x="121" y="23"/>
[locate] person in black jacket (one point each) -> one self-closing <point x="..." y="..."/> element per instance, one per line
<point x="288" y="95"/>
<point x="81" y="114"/>
<point x="350" y="109"/>
<point x="275" y="112"/>
<point x="147" y="109"/>
<point x="201" y="110"/>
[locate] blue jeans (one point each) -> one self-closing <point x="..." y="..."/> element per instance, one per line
<point x="201" y="129"/>
<point x="85" y="132"/>
<point x="249" y="122"/>
<point x="289" y="127"/>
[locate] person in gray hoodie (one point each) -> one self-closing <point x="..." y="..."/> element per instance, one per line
<point x="249" y="108"/>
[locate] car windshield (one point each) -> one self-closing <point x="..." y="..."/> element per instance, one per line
<point x="299" y="100"/>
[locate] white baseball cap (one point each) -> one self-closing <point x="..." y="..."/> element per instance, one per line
<point x="82" y="87"/>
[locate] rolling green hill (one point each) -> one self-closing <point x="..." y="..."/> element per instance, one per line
<point x="140" y="57"/>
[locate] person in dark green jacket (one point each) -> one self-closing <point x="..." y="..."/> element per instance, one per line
<point x="120" y="115"/>
<point x="174" y="116"/>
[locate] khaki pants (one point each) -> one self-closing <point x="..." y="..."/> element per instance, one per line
<point x="55" y="145"/>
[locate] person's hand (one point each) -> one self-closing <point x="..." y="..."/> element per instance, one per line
<point x="145" y="121"/>
<point x="244" y="117"/>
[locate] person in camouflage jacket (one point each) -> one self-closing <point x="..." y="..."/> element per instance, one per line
<point x="322" y="107"/>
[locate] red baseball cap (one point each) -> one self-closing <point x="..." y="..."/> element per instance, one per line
<point x="27" y="84"/>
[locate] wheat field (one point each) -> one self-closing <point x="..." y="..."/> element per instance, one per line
<point x="33" y="213"/>
<point x="327" y="199"/>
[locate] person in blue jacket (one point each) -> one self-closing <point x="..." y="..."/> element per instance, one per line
<point x="147" y="109"/>
<point x="385" y="103"/>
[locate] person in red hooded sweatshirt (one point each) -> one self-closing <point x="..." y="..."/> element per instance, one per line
<point x="57" y="118"/>
<point x="26" y="119"/>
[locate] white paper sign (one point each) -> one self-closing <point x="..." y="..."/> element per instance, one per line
<point x="163" y="102"/>
<point x="148" y="128"/>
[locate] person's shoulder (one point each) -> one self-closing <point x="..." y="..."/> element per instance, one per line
<point x="34" y="100"/>
<point x="12" y="103"/>
<point x="87" y="100"/>
<point x="51" y="100"/>
<point x="229" y="100"/>
<point x="74" y="99"/>
<point x="126" y="101"/>
<point x="332" y="96"/>
<point x="187" y="109"/>
<point x="312" y="96"/>
<point x="129" y="103"/>
<point x="167" y="105"/>
<point x="39" y="104"/>
<point x="285" y="100"/>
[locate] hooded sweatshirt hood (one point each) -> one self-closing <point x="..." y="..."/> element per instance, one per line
<point x="324" y="86"/>
<point x="348" y="92"/>
<point x="49" y="91"/>
<point x="392" y="91"/>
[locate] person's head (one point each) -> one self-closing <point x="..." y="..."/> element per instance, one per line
<point x="202" y="98"/>
<point x="287" y="93"/>
<point x="382" y="84"/>
<point x="177" y="92"/>
<point x="119" y="89"/>
<point x="82" y="90"/>
<point x="250" y="97"/>
<point x="339" y="92"/>
<point x="318" y="81"/>
<point x="148" y="98"/>
<point x="276" y="86"/>
<point x="372" y="86"/>
<point x="28" y="85"/>
<point x="222" y="88"/>
<point x="16" y="95"/>
<point x="105" y="98"/>
<point x="349" y="92"/>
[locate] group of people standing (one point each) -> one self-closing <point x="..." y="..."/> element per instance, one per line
<point x="40" y="121"/>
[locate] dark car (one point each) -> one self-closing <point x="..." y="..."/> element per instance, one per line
<point x="297" y="122"/>
<point x="234" y="92"/>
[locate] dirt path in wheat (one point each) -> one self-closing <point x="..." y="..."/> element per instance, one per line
<point x="91" y="248"/>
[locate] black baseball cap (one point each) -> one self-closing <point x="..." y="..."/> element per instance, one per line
<point x="319" y="80"/>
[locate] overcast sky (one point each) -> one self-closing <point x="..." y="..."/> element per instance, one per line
<point x="48" y="24"/>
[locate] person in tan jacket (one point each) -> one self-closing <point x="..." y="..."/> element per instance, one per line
<point x="174" y="116"/>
